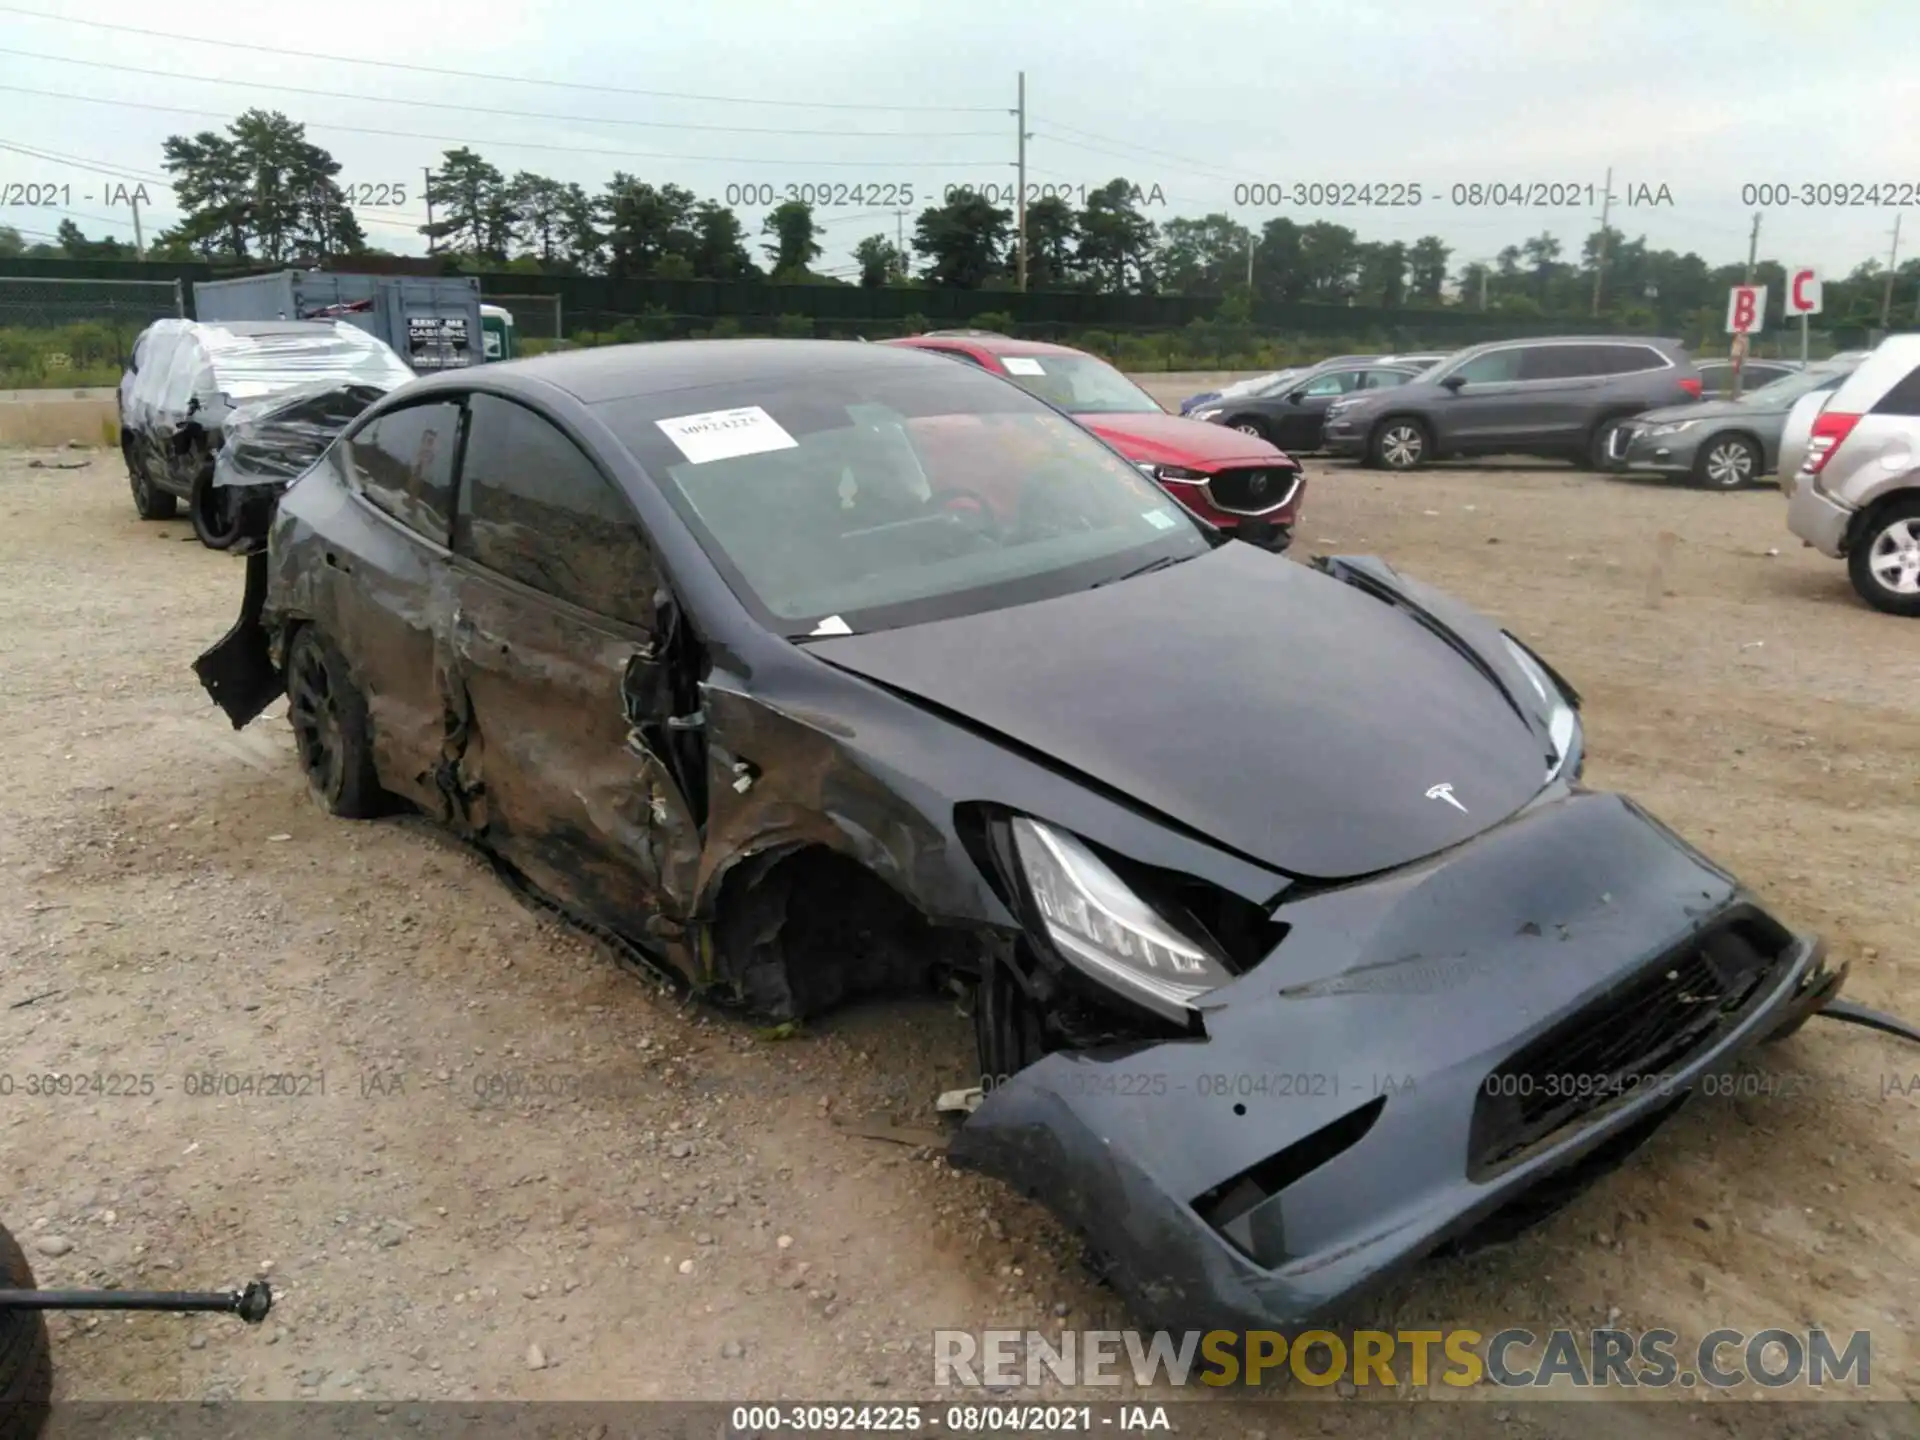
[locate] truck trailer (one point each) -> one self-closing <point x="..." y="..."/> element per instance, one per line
<point x="433" y="322"/>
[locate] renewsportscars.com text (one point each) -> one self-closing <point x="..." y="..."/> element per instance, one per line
<point x="1772" y="1359"/>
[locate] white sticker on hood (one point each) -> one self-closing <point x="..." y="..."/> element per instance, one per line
<point x="726" y="434"/>
<point x="1022" y="365"/>
<point x="1159" y="519"/>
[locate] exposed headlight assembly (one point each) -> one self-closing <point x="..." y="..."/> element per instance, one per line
<point x="1563" y="720"/>
<point x="1101" y="927"/>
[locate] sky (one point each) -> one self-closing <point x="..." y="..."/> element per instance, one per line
<point x="1210" y="101"/>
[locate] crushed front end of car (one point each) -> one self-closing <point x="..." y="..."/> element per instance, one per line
<point x="1433" y="1057"/>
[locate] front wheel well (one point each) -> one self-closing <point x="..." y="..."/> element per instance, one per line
<point x="799" y="930"/>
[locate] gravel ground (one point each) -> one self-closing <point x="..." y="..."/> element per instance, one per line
<point x="669" y="1205"/>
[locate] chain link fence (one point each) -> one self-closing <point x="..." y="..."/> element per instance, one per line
<point x="535" y="317"/>
<point x="76" y="333"/>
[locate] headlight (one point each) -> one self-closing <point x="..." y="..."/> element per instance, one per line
<point x="1563" y="722"/>
<point x="1205" y="414"/>
<point x="1101" y="926"/>
<point x="1672" y="427"/>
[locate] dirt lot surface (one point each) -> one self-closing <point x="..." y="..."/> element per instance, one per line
<point x="659" y="1203"/>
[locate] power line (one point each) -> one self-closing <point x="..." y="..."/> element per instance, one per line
<point x="506" y="79"/>
<point x="508" y="114"/>
<point x="503" y="144"/>
<point x="113" y="172"/>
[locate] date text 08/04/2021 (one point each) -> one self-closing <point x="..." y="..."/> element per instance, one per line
<point x="973" y="1419"/>
<point x="1462" y="194"/>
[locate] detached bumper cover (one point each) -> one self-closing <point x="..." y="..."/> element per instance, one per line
<point x="1358" y="1099"/>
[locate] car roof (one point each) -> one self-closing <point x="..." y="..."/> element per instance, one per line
<point x="615" y="372"/>
<point x="1885" y="368"/>
<point x="987" y="343"/>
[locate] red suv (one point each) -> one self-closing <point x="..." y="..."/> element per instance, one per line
<point x="1235" y="481"/>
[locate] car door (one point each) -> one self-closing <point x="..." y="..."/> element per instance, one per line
<point x="1555" y="402"/>
<point x="565" y="756"/>
<point x="1296" y="417"/>
<point x="1475" y="415"/>
<point x="386" y="600"/>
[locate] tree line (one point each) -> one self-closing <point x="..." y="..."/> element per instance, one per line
<point x="262" y="192"/>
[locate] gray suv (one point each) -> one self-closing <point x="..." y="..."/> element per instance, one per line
<point x="1559" y="397"/>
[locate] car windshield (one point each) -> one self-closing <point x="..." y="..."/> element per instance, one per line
<point x="865" y="498"/>
<point x="1789" y="388"/>
<point x="1079" y="384"/>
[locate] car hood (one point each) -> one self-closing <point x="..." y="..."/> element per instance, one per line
<point x="1272" y="709"/>
<point x="1705" y="410"/>
<point x="1161" y="439"/>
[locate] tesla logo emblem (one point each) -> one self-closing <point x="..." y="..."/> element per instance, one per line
<point x="1445" y="792"/>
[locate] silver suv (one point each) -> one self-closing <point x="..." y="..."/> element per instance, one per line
<point x="1857" y="495"/>
<point x="1559" y="397"/>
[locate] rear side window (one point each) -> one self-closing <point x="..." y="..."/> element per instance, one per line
<point x="403" y="463"/>
<point x="534" y="508"/>
<point x="1902" y="399"/>
<point x="1557" y="362"/>
<point x="1627" y="360"/>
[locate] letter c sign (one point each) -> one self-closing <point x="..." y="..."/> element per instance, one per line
<point x="1803" y="291"/>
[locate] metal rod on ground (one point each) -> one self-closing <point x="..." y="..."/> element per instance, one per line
<point x="251" y="1304"/>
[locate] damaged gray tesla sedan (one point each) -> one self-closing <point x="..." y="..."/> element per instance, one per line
<point x="1297" y="949"/>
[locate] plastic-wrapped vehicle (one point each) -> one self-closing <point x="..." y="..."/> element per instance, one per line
<point x="189" y="383"/>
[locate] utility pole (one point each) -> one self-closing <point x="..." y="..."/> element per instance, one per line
<point x="1249" y="265"/>
<point x="427" y="171"/>
<point x="1020" y="194"/>
<point x="1886" y="294"/>
<point x="1600" y="260"/>
<point x="139" y="244"/>
<point x="1483" y="286"/>
<point x="1740" y="342"/>
<point x="900" y="240"/>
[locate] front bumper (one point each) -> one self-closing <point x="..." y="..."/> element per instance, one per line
<point x="1375" y="1025"/>
<point x="1635" y="449"/>
<point x="1816" y="518"/>
<point x="1344" y="437"/>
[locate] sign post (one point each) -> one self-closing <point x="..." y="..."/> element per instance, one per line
<point x="1803" y="299"/>
<point x="1746" y="311"/>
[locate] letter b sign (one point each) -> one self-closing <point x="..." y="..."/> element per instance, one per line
<point x="1746" y="309"/>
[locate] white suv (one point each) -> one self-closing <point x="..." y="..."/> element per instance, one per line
<point x="1857" y="494"/>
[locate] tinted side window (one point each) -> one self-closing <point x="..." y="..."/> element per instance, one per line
<point x="535" y="509"/>
<point x="1385" y="379"/>
<point x="403" y="462"/>
<point x="1626" y="360"/>
<point x="1494" y="365"/>
<point x="1902" y="399"/>
<point x="1556" y="362"/>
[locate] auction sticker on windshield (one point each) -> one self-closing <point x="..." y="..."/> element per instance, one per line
<point x="1022" y="365"/>
<point x="726" y="434"/>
